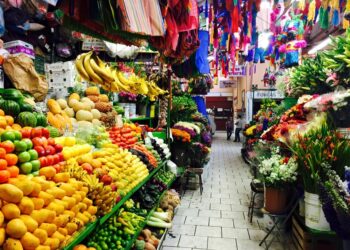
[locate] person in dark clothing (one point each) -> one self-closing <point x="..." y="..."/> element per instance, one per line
<point x="229" y="127"/>
<point x="238" y="129"/>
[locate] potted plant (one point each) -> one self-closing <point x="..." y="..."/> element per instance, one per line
<point x="277" y="172"/>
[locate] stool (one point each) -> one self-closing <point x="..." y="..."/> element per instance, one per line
<point x="256" y="188"/>
<point x="188" y="171"/>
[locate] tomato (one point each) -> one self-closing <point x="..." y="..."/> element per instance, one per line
<point x="37" y="142"/>
<point x="26" y="133"/>
<point x="40" y="149"/>
<point x="3" y="164"/>
<point x="60" y="154"/>
<point x="56" y="159"/>
<point x="14" y="171"/>
<point x="51" y="141"/>
<point x="43" y="162"/>
<point x="11" y="159"/>
<point x="36" y="132"/>
<point x="45" y="132"/>
<point x="2" y="153"/>
<point x="57" y="167"/>
<point x="50" y="160"/>
<point x="4" y="176"/>
<point x="50" y="150"/>
<point x="58" y="148"/>
<point x="8" y="146"/>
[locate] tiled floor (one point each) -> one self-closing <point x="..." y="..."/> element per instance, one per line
<point x="217" y="219"/>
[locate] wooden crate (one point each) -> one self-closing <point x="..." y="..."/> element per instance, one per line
<point x="304" y="239"/>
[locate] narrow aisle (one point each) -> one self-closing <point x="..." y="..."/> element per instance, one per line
<point x="217" y="219"/>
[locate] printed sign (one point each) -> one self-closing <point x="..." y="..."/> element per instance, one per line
<point x="263" y="94"/>
<point x="228" y="83"/>
<point x="239" y="71"/>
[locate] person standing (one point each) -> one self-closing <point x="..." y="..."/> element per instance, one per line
<point x="238" y="125"/>
<point x="229" y="127"/>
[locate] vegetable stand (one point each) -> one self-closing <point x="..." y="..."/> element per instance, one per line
<point x="81" y="236"/>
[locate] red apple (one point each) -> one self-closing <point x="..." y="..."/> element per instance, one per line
<point x="50" y="150"/>
<point x="58" y="148"/>
<point x="114" y="187"/>
<point x="40" y="150"/>
<point x="50" y="160"/>
<point x="60" y="154"/>
<point x="87" y="167"/>
<point x="36" y="132"/>
<point x="43" y="162"/>
<point x="45" y="132"/>
<point x="56" y="159"/>
<point x="51" y="141"/>
<point x="106" y="179"/>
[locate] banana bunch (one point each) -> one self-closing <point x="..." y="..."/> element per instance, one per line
<point x="75" y="171"/>
<point x="102" y="196"/>
<point x="92" y="69"/>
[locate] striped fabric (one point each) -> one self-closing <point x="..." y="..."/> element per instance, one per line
<point x="141" y="16"/>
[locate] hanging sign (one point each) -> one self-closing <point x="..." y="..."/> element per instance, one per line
<point x="52" y="2"/>
<point x="239" y="71"/>
<point x="272" y="94"/>
<point x="228" y="83"/>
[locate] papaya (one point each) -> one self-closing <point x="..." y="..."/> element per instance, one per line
<point x="16" y="228"/>
<point x="30" y="223"/>
<point x="49" y="228"/>
<point x="59" y="236"/>
<point x="10" y="193"/>
<point x="52" y="243"/>
<point x="23" y="184"/>
<point x="48" y="198"/>
<point x="30" y="241"/>
<point x="48" y="172"/>
<point x="38" y="203"/>
<point x="61" y="177"/>
<point x="41" y="234"/>
<point x="2" y="236"/>
<point x="26" y="205"/>
<point x="2" y="218"/>
<point x="43" y="248"/>
<point x="12" y="244"/>
<point x="36" y="190"/>
<point x="11" y="211"/>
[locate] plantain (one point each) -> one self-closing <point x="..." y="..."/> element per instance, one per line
<point x="93" y="76"/>
<point x="101" y="71"/>
<point x="80" y="67"/>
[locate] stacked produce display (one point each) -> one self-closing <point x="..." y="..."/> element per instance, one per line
<point x="70" y="167"/>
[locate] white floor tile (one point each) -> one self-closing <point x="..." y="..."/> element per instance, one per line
<point x="171" y="241"/>
<point x="183" y="229"/>
<point x="187" y="211"/>
<point x="221" y="222"/>
<point x="198" y="221"/>
<point x="232" y="215"/>
<point x="210" y="213"/>
<point x="222" y="244"/>
<point x="193" y="241"/>
<point x="256" y="234"/>
<point x="179" y="220"/>
<point x="208" y="231"/>
<point x="236" y="233"/>
<point x="222" y="207"/>
<point x="248" y="245"/>
<point x="175" y="248"/>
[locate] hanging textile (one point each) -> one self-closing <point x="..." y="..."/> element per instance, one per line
<point x="141" y="17"/>
<point x="200" y="105"/>
<point x="202" y="53"/>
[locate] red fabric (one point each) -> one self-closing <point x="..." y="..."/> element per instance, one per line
<point x="235" y="16"/>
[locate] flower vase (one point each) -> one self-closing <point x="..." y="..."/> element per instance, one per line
<point x="275" y="199"/>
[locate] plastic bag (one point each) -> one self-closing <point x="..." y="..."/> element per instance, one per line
<point x="172" y="167"/>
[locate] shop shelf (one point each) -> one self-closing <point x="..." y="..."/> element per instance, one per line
<point x="87" y="230"/>
<point x="128" y="196"/>
<point x="131" y="243"/>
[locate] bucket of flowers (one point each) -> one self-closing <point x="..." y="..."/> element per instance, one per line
<point x="277" y="171"/>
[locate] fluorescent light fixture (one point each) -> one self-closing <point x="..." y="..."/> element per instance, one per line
<point x="319" y="46"/>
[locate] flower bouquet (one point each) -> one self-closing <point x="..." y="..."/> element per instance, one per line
<point x="335" y="198"/>
<point x="126" y="97"/>
<point x="199" y="155"/>
<point x="181" y="135"/>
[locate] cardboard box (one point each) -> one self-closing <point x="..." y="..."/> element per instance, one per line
<point x="18" y="47"/>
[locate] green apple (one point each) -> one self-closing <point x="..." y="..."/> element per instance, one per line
<point x="20" y="146"/>
<point x="35" y="165"/>
<point x="24" y="157"/>
<point x="33" y="154"/>
<point x="26" y="168"/>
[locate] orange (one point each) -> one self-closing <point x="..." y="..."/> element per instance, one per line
<point x="11" y="159"/>
<point x="2" y="113"/>
<point x="16" y="126"/>
<point x="14" y="171"/>
<point x="3" y="164"/>
<point x="9" y="120"/>
<point x="3" y="122"/>
<point x="4" y="176"/>
<point x="2" y="153"/>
